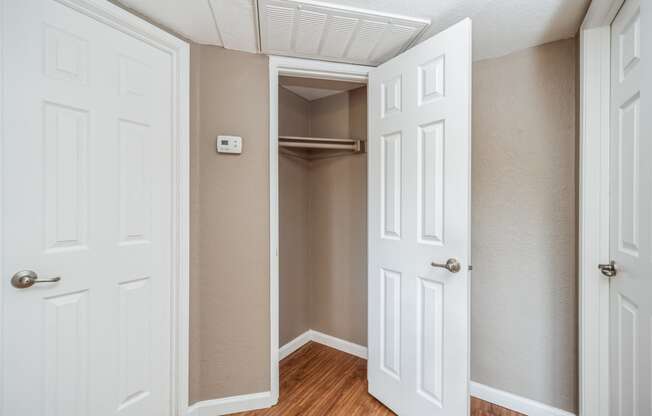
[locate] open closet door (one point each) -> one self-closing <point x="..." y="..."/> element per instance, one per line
<point x="419" y="226"/>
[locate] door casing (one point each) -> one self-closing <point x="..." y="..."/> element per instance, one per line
<point x="306" y="68"/>
<point x="111" y="15"/>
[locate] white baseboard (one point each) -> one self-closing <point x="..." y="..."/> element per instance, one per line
<point x="294" y="345"/>
<point x="324" y="339"/>
<point x="263" y="400"/>
<point x="234" y="404"/>
<point x="339" y="344"/>
<point x="514" y="402"/>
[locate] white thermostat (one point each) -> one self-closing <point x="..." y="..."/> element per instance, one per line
<point x="229" y="144"/>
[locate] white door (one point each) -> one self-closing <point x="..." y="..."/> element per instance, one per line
<point x="419" y="213"/>
<point x="86" y="192"/>
<point x="631" y="212"/>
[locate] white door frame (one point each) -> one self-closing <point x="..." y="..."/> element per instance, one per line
<point x="310" y="69"/>
<point x="595" y="91"/>
<point x="179" y="51"/>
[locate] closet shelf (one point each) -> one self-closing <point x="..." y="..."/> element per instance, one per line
<point x="321" y="143"/>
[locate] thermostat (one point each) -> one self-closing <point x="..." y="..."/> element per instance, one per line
<point x="229" y="144"/>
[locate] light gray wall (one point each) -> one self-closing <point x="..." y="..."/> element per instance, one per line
<point x="524" y="295"/>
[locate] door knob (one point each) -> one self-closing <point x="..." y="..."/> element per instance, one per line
<point x="452" y="265"/>
<point x="27" y="278"/>
<point x="608" y="270"/>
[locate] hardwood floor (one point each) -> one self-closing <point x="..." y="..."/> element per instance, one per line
<point x="317" y="380"/>
<point x="482" y="408"/>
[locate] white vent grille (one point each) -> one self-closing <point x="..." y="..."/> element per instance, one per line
<point x="319" y="30"/>
<point x="279" y="21"/>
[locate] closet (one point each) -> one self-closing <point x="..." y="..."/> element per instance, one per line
<point x="322" y="174"/>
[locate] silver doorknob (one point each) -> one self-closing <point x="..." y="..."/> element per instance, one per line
<point x="608" y="270"/>
<point x="452" y="265"/>
<point x="27" y="278"/>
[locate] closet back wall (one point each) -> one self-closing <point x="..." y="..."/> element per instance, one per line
<point x="322" y="228"/>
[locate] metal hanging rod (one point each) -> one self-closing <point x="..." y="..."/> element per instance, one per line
<point x="320" y="143"/>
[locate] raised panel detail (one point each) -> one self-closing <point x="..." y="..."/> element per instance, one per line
<point x="390" y="322"/>
<point x="390" y="173"/>
<point x="135" y="198"/>
<point x="630" y="47"/>
<point x="66" y="56"/>
<point x="134" y="342"/>
<point x="430" y="179"/>
<point x="627" y="339"/>
<point x="66" y="177"/>
<point x="390" y="97"/>
<point x="431" y="80"/>
<point x="628" y="177"/>
<point x="135" y="77"/>
<point x="65" y="354"/>
<point x="430" y="333"/>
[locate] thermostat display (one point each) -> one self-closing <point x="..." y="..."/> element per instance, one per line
<point x="229" y="144"/>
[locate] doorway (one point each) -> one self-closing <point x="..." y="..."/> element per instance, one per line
<point x="418" y="216"/>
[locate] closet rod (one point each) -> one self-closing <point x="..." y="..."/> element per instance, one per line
<point x="320" y="146"/>
<point x="316" y="139"/>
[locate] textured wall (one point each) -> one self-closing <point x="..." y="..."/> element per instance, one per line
<point x="232" y="210"/>
<point x="194" y="359"/>
<point x="338" y="247"/>
<point x="524" y="297"/>
<point x="338" y="221"/>
<point x="293" y="191"/>
<point x="323" y="278"/>
<point x="329" y="116"/>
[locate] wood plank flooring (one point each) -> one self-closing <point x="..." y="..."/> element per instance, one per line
<point x="482" y="408"/>
<point x="317" y="381"/>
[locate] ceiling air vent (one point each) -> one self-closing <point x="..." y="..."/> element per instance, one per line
<point x="317" y="30"/>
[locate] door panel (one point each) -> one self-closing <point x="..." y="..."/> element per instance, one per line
<point x="87" y="196"/>
<point x="630" y="216"/>
<point x="419" y="175"/>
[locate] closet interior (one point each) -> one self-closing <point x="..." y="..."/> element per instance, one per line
<point x="322" y="174"/>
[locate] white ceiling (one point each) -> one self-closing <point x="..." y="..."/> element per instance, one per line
<point x="499" y="26"/>
<point x="313" y="89"/>
<point x="310" y="93"/>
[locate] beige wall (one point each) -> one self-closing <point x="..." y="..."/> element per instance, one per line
<point x="524" y="284"/>
<point x="293" y="114"/>
<point x="323" y="284"/>
<point x="294" y="264"/>
<point x="338" y="252"/>
<point x="524" y="295"/>
<point x="194" y="360"/>
<point x="294" y="268"/>
<point x="230" y="218"/>
<point x="329" y="116"/>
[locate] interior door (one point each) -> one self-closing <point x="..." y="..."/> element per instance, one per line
<point x="631" y="212"/>
<point x="419" y="226"/>
<point x="86" y="193"/>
